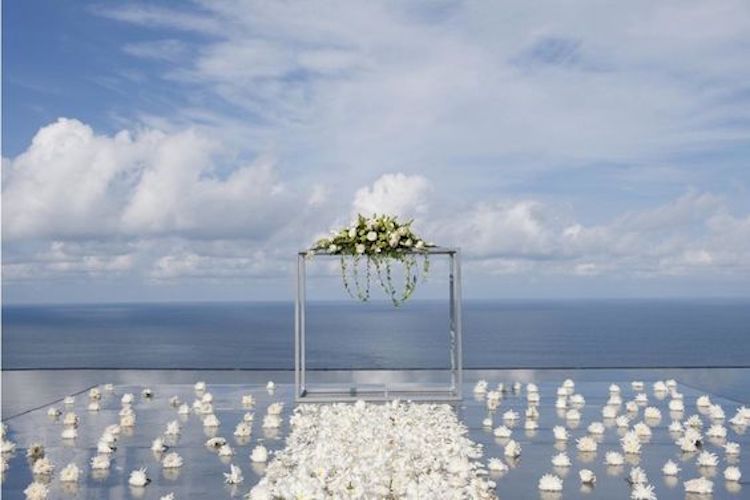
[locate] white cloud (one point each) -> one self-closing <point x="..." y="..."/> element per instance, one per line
<point x="404" y="195"/>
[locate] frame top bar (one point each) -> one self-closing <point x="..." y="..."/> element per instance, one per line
<point x="427" y="251"/>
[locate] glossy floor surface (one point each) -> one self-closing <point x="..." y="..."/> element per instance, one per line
<point x="28" y="395"/>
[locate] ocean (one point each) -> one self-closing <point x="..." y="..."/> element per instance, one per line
<point x="343" y="335"/>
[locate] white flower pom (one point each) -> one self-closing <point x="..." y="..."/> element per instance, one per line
<point x="550" y="482"/>
<point x="596" y="428"/>
<point x="586" y="444"/>
<point x="100" y="462"/>
<point x="676" y="405"/>
<point x="630" y="443"/>
<point x="732" y="473"/>
<point x="670" y="468"/>
<point x="637" y="476"/>
<point x="496" y="465"/>
<point x="234" y="476"/>
<point x="171" y="461"/>
<point x="211" y="420"/>
<point x="512" y="449"/>
<point x="613" y="458"/>
<point x="480" y="387"/>
<point x="700" y="486"/>
<point x="200" y="386"/>
<point x="732" y="448"/>
<point x="275" y="408"/>
<point x="127" y="399"/>
<point x="643" y="492"/>
<point x="717" y="431"/>
<point x="561" y="460"/>
<point x="157" y="445"/>
<point x="36" y="491"/>
<point x="70" y="473"/>
<point x="173" y="428"/>
<point x="184" y="409"/>
<point x="560" y="432"/>
<point x="502" y="432"/>
<point x="707" y="459"/>
<point x="587" y="476"/>
<point x="139" y="478"/>
<point x="703" y="401"/>
<point x="243" y="429"/>
<point x="43" y="467"/>
<point x="259" y="454"/>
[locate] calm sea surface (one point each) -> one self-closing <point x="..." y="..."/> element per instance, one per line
<point x="376" y="335"/>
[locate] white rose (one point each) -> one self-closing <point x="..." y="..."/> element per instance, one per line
<point x="353" y="232"/>
<point x="372" y="236"/>
<point x="360" y="248"/>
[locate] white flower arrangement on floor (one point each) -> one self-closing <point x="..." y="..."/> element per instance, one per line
<point x="338" y="450"/>
<point x="380" y="240"/>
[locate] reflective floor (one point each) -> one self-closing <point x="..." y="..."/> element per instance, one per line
<point x="28" y="395"/>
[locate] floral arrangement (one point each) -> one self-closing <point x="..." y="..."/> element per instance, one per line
<point x="375" y="243"/>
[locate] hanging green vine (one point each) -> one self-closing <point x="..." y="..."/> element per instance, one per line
<point x="379" y="241"/>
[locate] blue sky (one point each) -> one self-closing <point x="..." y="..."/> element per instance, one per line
<point x="186" y="150"/>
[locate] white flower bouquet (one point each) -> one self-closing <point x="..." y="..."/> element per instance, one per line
<point x="377" y="242"/>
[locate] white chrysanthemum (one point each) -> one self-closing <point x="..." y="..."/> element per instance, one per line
<point x="694" y="421"/>
<point x="100" y="462"/>
<point x="69" y="400"/>
<point x="215" y="443"/>
<point x="532" y="412"/>
<point x="587" y="476"/>
<point x="732" y="473"/>
<point x="631" y="444"/>
<point x="158" y="445"/>
<point x="127" y="398"/>
<point x="43" y="467"/>
<point x="171" y="460"/>
<point x="561" y="403"/>
<point x="36" y="491"/>
<point x="248" y="401"/>
<point x="660" y="386"/>
<point x="670" y="468"/>
<point x="550" y="482"/>
<point x="104" y="447"/>
<point x="226" y="451"/>
<point x="35" y="451"/>
<point x="531" y="388"/>
<point x="71" y="420"/>
<point x="686" y="444"/>
<point x="732" y="448"/>
<point x="643" y="492"/>
<point x="510" y="416"/>
<point x="707" y="459"/>
<point x="54" y="412"/>
<point x="577" y="400"/>
<point x="614" y="389"/>
<point x="71" y="473"/>
<point x="641" y="398"/>
<point x="573" y="415"/>
<point x="586" y="444"/>
<point x="259" y="454"/>
<point x="200" y="386"/>
<point x="69" y="433"/>
<point x="8" y="447"/>
<point x="637" y="476"/>
<point x="622" y="421"/>
<point x="703" y="401"/>
<point x="234" y="476"/>
<point x="613" y="458"/>
<point x="642" y="430"/>
<point x="676" y="426"/>
<point x="184" y="409"/>
<point x="631" y="407"/>
<point x="496" y="465"/>
<point x="127" y="420"/>
<point x="560" y="432"/>
<point x="532" y="397"/>
<point x="561" y="460"/>
<point x="614" y="400"/>
<point x="652" y="413"/>
<point x="271" y="422"/>
<point x="676" y="405"/>
<point x="569" y="385"/>
<point x="561" y="392"/>
<point x="671" y="384"/>
<point x="716" y="412"/>
<point x="487" y="422"/>
<point x="502" y="432"/>
<point x="248" y="417"/>
<point x="609" y="412"/>
<point x="243" y="429"/>
<point x="700" y="486"/>
<point x="717" y="431"/>
<point x="139" y="478"/>
<point x="480" y="387"/>
<point x="173" y="428"/>
<point x="512" y="449"/>
<point x="275" y="408"/>
<point x="530" y="425"/>
<point x="596" y="428"/>
<point x="211" y="420"/>
<point x="637" y="385"/>
<point x="492" y="404"/>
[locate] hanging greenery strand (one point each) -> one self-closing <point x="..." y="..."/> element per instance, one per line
<point x="381" y="240"/>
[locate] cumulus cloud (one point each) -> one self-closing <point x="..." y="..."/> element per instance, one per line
<point x="397" y="193"/>
<point x="73" y="183"/>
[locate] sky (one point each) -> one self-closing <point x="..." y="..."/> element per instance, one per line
<point x="156" y="151"/>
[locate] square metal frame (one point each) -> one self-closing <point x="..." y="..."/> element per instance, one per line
<point x="415" y="391"/>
